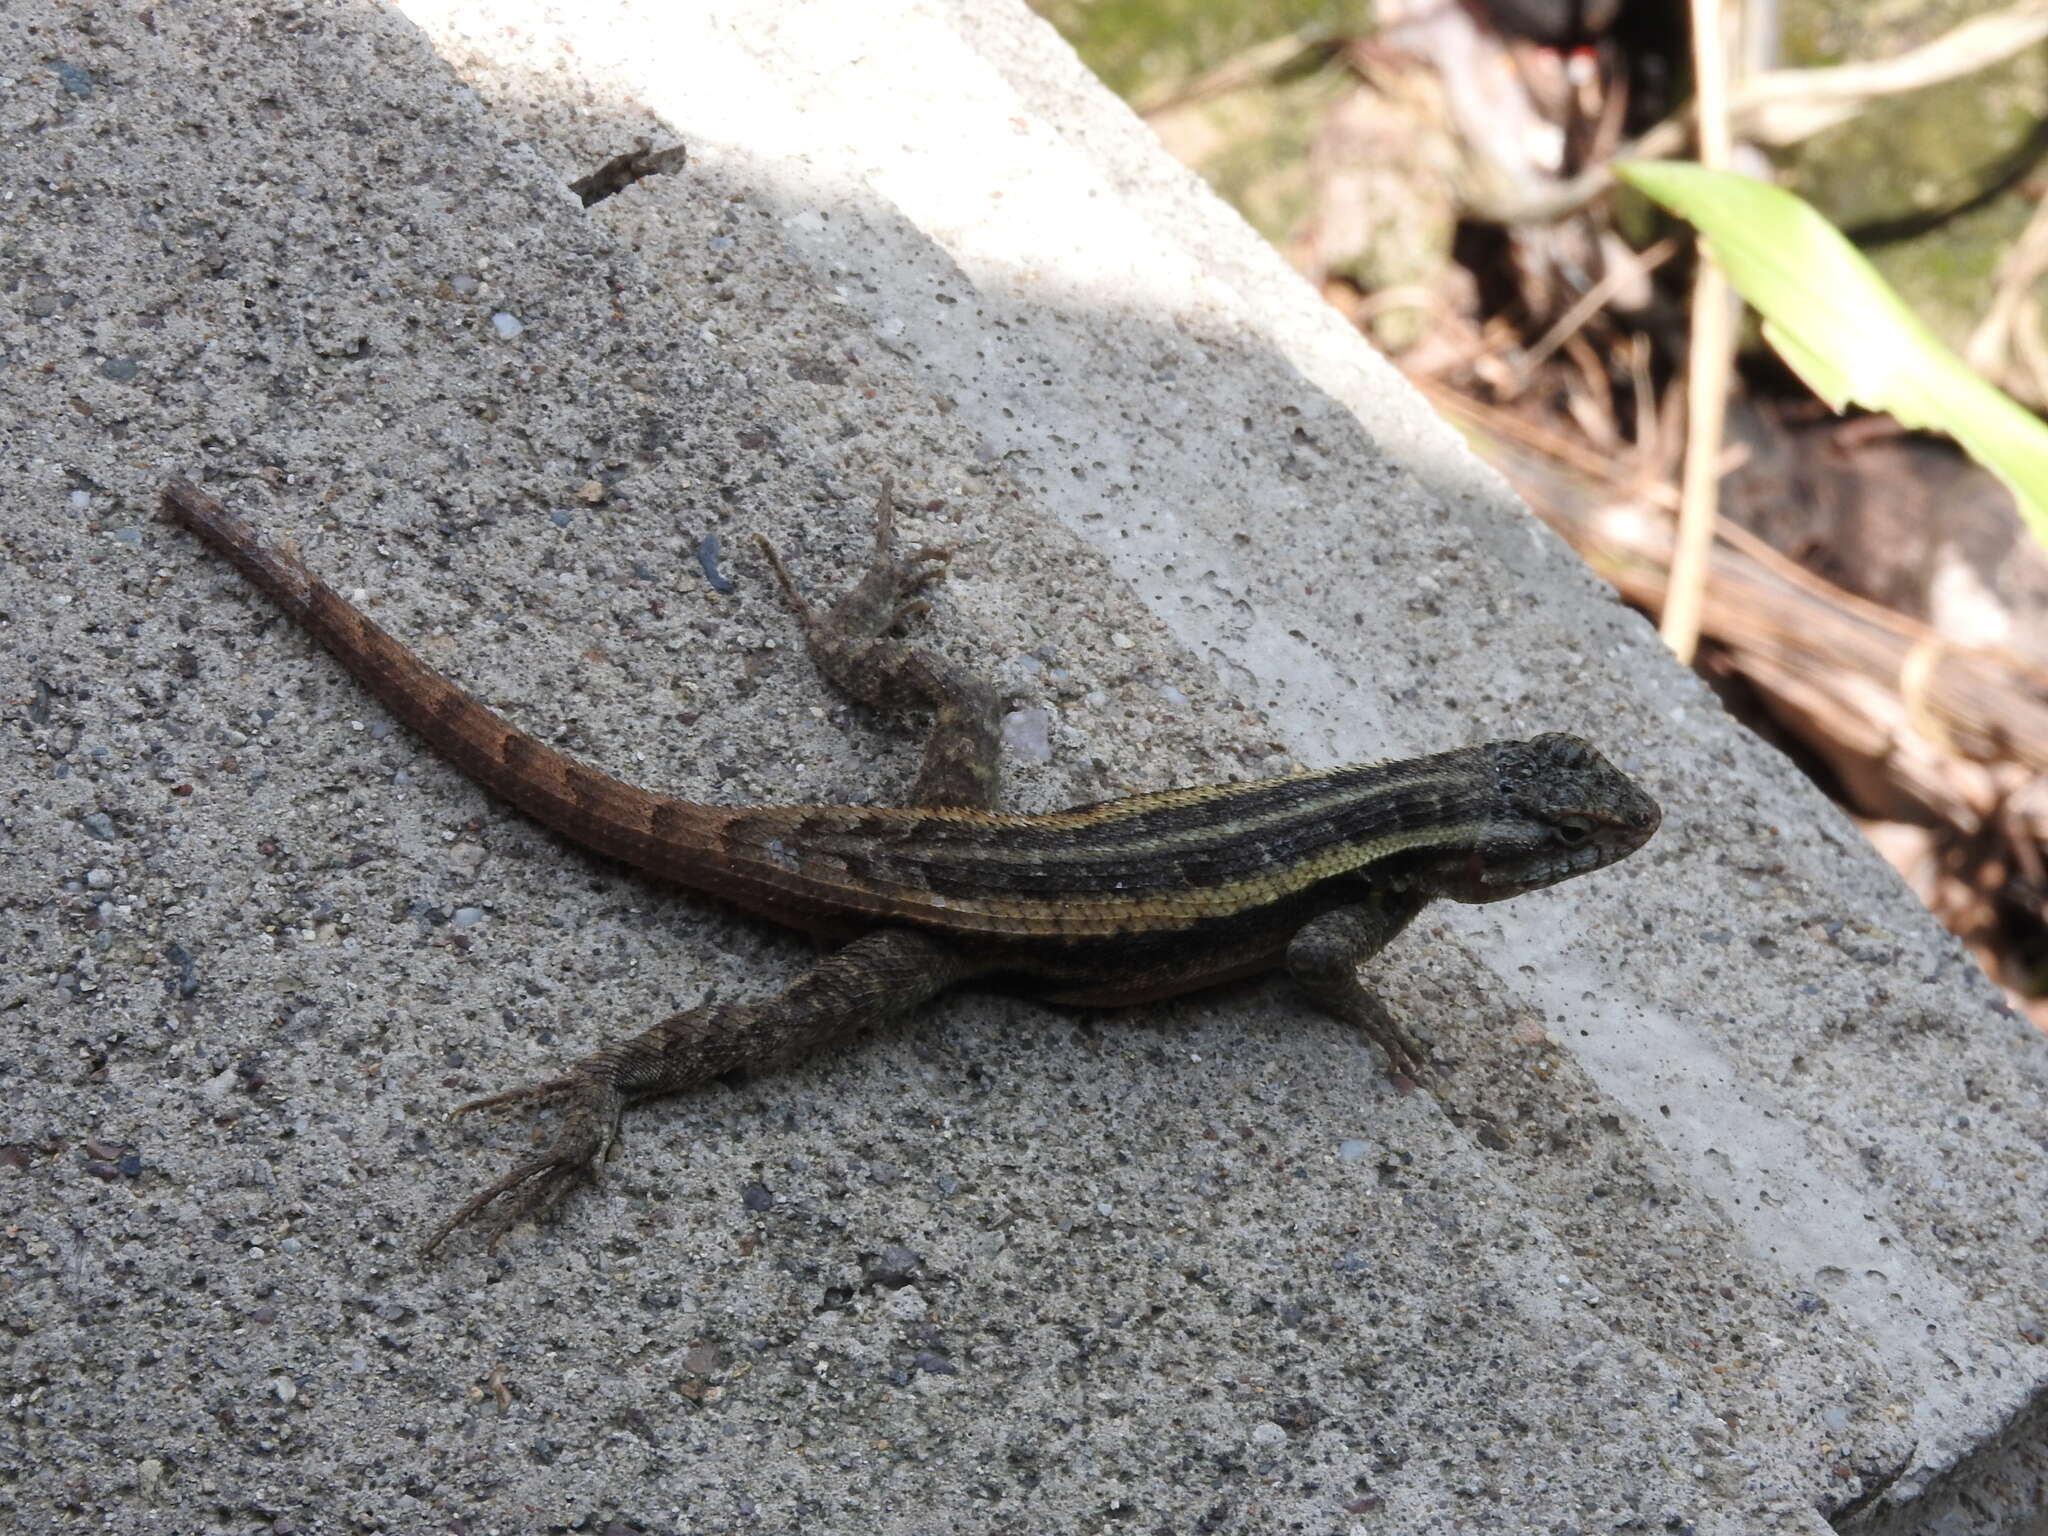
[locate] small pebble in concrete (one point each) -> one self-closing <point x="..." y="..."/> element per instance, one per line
<point x="707" y="557"/>
<point x="1027" y="734"/>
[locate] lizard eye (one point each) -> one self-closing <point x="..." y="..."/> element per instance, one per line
<point x="1574" y="830"/>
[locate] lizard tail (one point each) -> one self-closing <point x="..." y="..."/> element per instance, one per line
<point x="669" y="837"/>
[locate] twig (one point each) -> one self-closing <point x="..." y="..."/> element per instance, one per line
<point x="1252" y="66"/>
<point x="2013" y="320"/>
<point x="1709" y="357"/>
<point x="1592" y="301"/>
<point x="1788" y="105"/>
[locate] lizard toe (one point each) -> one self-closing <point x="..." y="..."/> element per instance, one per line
<point x="536" y="1186"/>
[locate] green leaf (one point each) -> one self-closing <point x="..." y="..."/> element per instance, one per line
<point x="1842" y="329"/>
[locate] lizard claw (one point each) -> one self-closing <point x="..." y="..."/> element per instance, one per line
<point x="887" y="593"/>
<point x="537" y="1185"/>
<point x="1407" y="1053"/>
<point x="909" y="609"/>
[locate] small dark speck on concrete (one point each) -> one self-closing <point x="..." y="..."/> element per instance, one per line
<point x="707" y="556"/>
<point x="120" y="369"/>
<point x="186" y="983"/>
<point x="758" y="1197"/>
<point x="932" y="1363"/>
<point x="110" y="1162"/>
<point x="560" y="517"/>
<point x="893" y="1266"/>
<point x="74" y="79"/>
<point x="817" y="370"/>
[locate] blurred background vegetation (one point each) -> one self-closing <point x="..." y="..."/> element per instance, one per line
<point x="1439" y="170"/>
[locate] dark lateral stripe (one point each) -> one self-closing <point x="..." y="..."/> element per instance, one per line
<point x="769" y="863"/>
<point x="1176" y="821"/>
<point x="1050" y="858"/>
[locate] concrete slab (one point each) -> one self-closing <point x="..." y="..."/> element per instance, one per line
<point x="1728" y="1218"/>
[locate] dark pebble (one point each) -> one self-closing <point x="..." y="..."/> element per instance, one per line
<point x="707" y="556"/>
<point x="893" y="1266"/>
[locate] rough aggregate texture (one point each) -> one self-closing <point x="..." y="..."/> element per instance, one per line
<point x="1730" y="1209"/>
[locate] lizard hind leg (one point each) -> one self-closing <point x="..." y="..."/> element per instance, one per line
<point x="870" y="981"/>
<point x="854" y="643"/>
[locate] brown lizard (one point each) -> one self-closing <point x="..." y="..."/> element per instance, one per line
<point x="1123" y="902"/>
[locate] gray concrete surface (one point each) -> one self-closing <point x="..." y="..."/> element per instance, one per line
<point x="1729" y="1217"/>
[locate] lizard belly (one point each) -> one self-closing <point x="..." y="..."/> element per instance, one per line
<point x="1136" y="968"/>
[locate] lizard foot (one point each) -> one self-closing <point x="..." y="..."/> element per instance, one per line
<point x="897" y="576"/>
<point x="537" y="1185"/>
<point x="1407" y="1053"/>
<point x="886" y="596"/>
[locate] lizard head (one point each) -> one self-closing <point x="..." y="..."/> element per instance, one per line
<point x="1561" y="810"/>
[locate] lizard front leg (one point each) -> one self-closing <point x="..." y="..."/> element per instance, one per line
<point x="855" y="644"/>
<point x="870" y="981"/>
<point x="1324" y="956"/>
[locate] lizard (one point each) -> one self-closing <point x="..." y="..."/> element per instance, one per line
<point x="1126" y="901"/>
